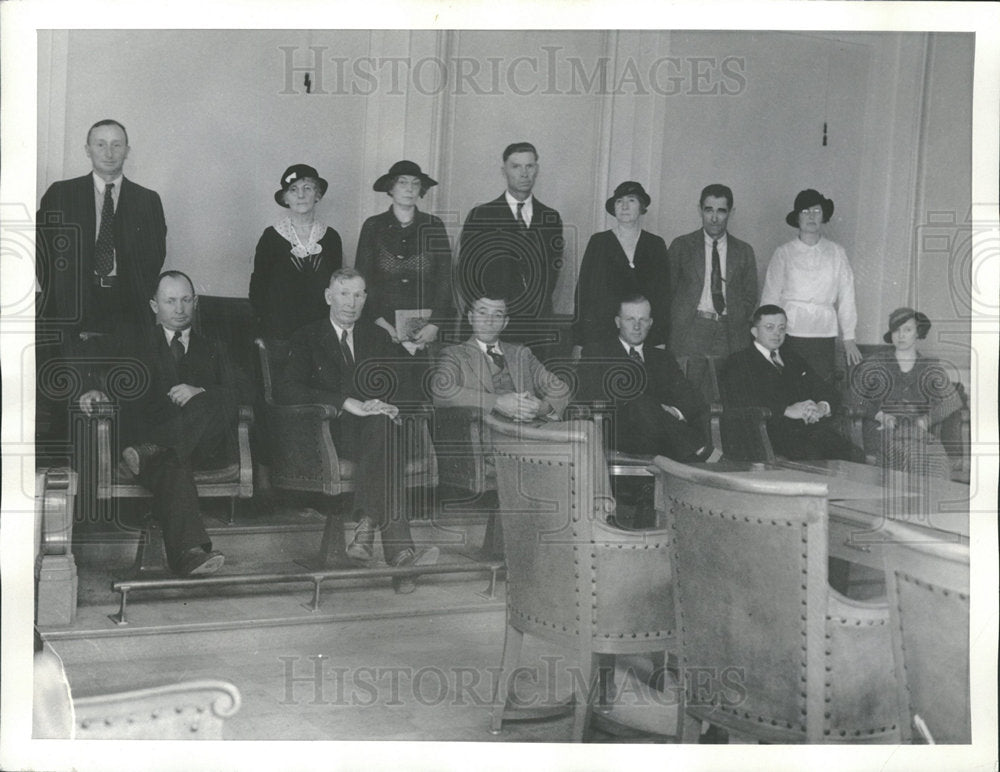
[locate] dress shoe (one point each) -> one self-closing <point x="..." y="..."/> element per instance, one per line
<point x="361" y="547"/>
<point x="404" y="585"/>
<point x="197" y="562"/>
<point x="137" y="456"/>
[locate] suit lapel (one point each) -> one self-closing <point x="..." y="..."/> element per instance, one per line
<point x="477" y="363"/>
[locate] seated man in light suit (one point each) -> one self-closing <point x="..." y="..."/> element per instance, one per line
<point x="486" y="375"/>
<point x="491" y="376"/>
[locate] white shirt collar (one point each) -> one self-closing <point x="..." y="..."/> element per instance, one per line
<point x="484" y="346"/>
<point x="709" y="239"/>
<point x="628" y="346"/>
<point x="340" y="331"/>
<point x="765" y="352"/>
<point x="512" y="202"/>
<point x="185" y="336"/>
<point x="99" y="183"/>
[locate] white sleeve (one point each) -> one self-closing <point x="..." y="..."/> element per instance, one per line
<point x="847" y="311"/>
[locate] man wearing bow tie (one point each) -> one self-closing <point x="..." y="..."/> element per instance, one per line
<point x="767" y="375"/>
<point x="179" y="395"/>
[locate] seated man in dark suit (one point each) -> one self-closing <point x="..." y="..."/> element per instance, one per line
<point x="485" y="374"/>
<point x="766" y="375"/>
<point x="657" y="410"/>
<point x="336" y="361"/>
<point x="183" y="419"/>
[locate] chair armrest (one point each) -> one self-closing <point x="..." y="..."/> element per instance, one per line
<point x="744" y="434"/>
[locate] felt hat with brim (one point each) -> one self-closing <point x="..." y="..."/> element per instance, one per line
<point x="292" y="175"/>
<point x="901" y="316"/>
<point x="807" y="199"/>
<point x="400" y="169"/>
<point x="628" y="188"/>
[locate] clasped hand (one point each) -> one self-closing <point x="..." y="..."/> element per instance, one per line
<point x="807" y="411"/>
<point x="521" y="406"/>
<point x="370" y="407"/>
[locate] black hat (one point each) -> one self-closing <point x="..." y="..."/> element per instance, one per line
<point x="297" y="172"/>
<point x="398" y="169"/>
<point x="806" y="199"/>
<point x="901" y="316"/>
<point x="628" y="188"/>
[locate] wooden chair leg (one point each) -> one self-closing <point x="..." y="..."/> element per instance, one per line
<point x="513" y="639"/>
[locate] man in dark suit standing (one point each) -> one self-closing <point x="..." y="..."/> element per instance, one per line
<point x="101" y="242"/>
<point x="178" y="413"/>
<point x="336" y="361"/>
<point x="513" y="245"/>
<point x="766" y="375"/>
<point x="657" y="410"/>
<point x="713" y="280"/>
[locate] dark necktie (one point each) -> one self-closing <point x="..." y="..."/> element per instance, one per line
<point x="345" y="349"/>
<point x="104" y="251"/>
<point x="777" y="362"/>
<point x="496" y="356"/>
<point x="177" y="347"/>
<point x="633" y="353"/>
<point x="520" y="215"/>
<point x="718" y="297"/>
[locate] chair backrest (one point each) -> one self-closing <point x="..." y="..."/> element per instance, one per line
<point x="192" y="710"/>
<point x="750" y="584"/>
<point x="544" y="481"/>
<point x="927" y="582"/>
<point x="273" y="354"/>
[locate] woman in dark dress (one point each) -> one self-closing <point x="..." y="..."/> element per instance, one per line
<point x="295" y="258"/>
<point x="903" y="381"/>
<point x="405" y="257"/>
<point x="623" y="261"/>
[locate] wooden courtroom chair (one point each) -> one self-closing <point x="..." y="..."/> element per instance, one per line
<point x="927" y="582"/>
<point x="572" y="579"/>
<point x="116" y="481"/>
<point x="192" y="710"/>
<point x="768" y="650"/>
<point x="304" y="456"/>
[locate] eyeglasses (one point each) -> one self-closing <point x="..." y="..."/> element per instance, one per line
<point x="816" y="210"/>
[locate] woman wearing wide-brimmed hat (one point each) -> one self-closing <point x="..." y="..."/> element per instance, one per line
<point x="904" y="381"/>
<point x="405" y="257"/>
<point x="625" y="260"/>
<point x="811" y="278"/>
<point x="295" y="258"/>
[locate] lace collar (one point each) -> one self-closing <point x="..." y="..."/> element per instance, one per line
<point x="312" y="245"/>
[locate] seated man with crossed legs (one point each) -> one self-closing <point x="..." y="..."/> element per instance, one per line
<point x="185" y="419"/>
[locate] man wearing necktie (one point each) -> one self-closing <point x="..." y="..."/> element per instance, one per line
<point x="100" y="245"/>
<point x="349" y="362"/>
<point x="768" y="375"/>
<point x="657" y="410"/>
<point x="487" y="374"/>
<point x="179" y="394"/>
<point x="713" y="285"/>
<point x="513" y="246"/>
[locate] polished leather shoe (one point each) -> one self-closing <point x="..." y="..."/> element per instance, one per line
<point x="404" y="585"/>
<point x="137" y="456"/>
<point x="197" y="562"/>
<point x="362" y="546"/>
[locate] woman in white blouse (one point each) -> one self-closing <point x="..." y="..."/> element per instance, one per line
<point x="812" y="280"/>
